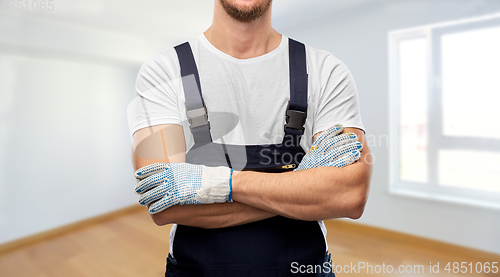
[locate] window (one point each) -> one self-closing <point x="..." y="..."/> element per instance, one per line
<point x="445" y="111"/>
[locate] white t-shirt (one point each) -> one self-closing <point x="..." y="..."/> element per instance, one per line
<point x="254" y="91"/>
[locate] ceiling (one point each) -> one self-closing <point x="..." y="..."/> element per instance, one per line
<point x="172" y="21"/>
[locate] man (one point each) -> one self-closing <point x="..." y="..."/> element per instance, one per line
<point x="246" y="103"/>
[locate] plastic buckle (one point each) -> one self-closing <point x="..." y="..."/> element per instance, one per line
<point x="197" y="117"/>
<point x="295" y="119"/>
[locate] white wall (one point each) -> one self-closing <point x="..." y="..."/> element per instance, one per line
<point x="24" y="33"/>
<point x="359" y="37"/>
<point x="64" y="140"/>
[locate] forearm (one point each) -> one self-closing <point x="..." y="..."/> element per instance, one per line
<point x="311" y="194"/>
<point x="150" y="143"/>
<point x="211" y="216"/>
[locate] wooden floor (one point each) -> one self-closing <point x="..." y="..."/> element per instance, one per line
<point x="131" y="245"/>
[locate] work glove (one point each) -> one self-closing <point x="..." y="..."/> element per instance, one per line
<point x="182" y="183"/>
<point x="332" y="149"/>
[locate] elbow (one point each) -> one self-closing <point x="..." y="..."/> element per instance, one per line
<point x="357" y="210"/>
<point x="167" y="216"/>
<point x="350" y="204"/>
<point x="357" y="204"/>
<point x="358" y="194"/>
<point x="159" y="220"/>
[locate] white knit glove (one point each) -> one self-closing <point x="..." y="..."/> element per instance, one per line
<point x="332" y="149"/>
<point x="182" y="183"/>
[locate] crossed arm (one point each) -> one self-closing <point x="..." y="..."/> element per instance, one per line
<point x="311" y="194"/>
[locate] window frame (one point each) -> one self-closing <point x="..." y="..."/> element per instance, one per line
<point x="436" y="140"/>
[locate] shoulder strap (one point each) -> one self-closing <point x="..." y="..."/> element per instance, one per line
<point x="195" y="106"/>
<point x="296" y="112"/>
<point x="196" y="110"/>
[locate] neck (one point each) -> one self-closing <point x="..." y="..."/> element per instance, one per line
<point x="242" y="40"/>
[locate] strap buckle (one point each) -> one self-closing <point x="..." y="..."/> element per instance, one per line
<point x="197" y="117"/>
<point x="295" y="119"/>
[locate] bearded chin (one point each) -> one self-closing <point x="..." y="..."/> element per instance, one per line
<point x="246" y="14"/>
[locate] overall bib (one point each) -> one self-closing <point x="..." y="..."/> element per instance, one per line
<point x="277" y="246"/>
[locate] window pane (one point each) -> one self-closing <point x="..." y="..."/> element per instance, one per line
<point x="470" y="169"/>
<point x="413" y="109"/>
<point x="471" y="83"/>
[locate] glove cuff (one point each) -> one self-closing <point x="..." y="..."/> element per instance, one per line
<point x="230" y="197"/>
<point x="216" y="186"/>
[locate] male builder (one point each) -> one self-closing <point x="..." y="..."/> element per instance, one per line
<point x="237" y="109"/>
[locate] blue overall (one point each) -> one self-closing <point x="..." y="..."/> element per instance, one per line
<point x="277" y="246"/>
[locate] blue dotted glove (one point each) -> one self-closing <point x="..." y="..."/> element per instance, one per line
<point x="332" y="149"/>
<point x="182" y="183"/>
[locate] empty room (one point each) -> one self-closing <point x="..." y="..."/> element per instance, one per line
<point x="210" y="137"/>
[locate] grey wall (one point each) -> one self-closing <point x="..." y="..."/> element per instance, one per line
<point x="359" y="37"/>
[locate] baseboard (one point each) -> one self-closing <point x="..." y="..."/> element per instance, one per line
<point x="360" y="228"/>
<point x="13" y="245"/>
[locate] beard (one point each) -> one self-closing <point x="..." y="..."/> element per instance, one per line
<point x="246" y="14"/>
